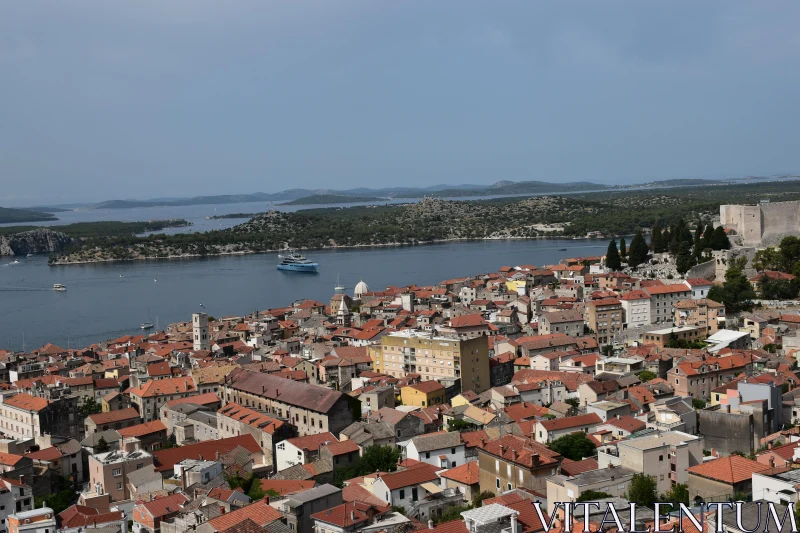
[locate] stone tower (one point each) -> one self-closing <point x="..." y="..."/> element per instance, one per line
<point x="343" y="315"/>
<point x="200" y="336"/>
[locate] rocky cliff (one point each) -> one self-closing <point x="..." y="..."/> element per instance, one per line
<point x="34" y="242"/>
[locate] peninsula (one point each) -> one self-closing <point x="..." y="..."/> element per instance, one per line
<point x="589" y="215"/>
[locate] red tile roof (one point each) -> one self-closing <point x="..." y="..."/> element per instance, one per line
<point x="159" y="507"/>
<point x="166" y="459"/>
<point x="732" y="469"/>
<point x="114" y="416"/>
<point x="140" y="430"/>
<point x="414" y="476"/>
<point x="199" y="399"/>
<point x="77" y="516"/>
<point x="468" y="473"/>
<point x="573" y="468"/>
<point x="520" y="450"/>
<point x="48" y="454"/>
<point x="26" y="402"/>
<point x="313" y="442"/>
<point x="10" y="459"/>
<point x="164" y="387"/>
<point x="252" y="418"/>
<point x="343" y="447"/>
<point x="259" y="512"/>
<point x="466" y="321"/>
<point x="345" y="515"/>
<point x="570" y="422"/>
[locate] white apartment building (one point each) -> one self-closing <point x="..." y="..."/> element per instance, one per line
<point x="636" y="307"/>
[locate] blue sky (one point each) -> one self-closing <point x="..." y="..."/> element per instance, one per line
<point x="105" y="100"/>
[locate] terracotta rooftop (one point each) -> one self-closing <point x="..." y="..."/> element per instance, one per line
<point x="468" y="473"/>
<point x="732" y="469"/>
<point x="259" y="512"/>
<point x="140" y="430"/>
<point x="26" y="402"/>
<point x="114" y="416"/>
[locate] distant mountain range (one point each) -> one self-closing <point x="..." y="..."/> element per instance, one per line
<point x="499" y="188"/>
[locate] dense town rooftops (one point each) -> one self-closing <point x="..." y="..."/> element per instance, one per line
<point x="164" y="387"/>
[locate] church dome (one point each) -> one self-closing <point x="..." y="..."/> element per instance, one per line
<point x="360" y="289"/>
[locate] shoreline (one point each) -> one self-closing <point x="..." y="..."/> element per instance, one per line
<point x="336" y="247"/>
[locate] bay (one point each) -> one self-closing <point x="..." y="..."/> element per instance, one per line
<point x="106" y="300"/>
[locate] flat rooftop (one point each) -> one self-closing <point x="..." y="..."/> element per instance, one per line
<point x="667" y="331"/>
<point x="667" y="438"/>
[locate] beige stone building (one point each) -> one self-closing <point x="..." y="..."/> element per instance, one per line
<point x="665" y="456"/>
<point x="310" y="408"/>
<point x="435" y="358"/>
<point x="702" y="313"/>
<point x="108" y="473"/>
<point x="513" y="461"/>
<point x="604" y="317"/>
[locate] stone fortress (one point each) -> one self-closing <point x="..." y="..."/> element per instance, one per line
<point x="761" y="225"/>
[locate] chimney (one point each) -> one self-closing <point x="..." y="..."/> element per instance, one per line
<point x="201" y="457"/>
<point x="514" y="527"/>
<point x="352" y="516"/>
<point x="430" y="524"/>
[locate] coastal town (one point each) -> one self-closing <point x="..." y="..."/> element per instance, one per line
<point x="452" y="407"/>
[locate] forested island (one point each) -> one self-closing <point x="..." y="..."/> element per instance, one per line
<point x="333" y="199"/>
<point x="592" y="215"/>
<point x="15" y="240"/>
<point x="18" y="216"/>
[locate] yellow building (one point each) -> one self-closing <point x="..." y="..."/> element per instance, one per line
<point x="423" y="394"/>
<point x="435" y="358"/>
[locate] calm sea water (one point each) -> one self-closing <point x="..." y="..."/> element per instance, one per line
<point x="106" y="300"/>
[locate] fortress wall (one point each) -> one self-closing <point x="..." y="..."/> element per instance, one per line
<point x="764" y="224"/>
<point x="779" y="219"/>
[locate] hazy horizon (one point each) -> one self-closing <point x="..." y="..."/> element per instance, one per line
<point x="150" y="99"/>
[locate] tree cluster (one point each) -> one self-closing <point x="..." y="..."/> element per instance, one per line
<point x="736" y="293"/>
<point x="575" y="446"/>
<point x="374" y="459"/>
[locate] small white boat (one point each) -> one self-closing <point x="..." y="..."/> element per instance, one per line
<point x="59" y="287"/>
<point x="29" y="255"/>
<point x="14" y="262"/>
<point x="147" y="325"/>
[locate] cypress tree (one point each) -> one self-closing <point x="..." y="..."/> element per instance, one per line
<point x="657" y="239"/>
<point x="707" y="236"/>
<point x="612" y="256"/>
<point x="637" y="253"/>
<point x="719" y="240"/>
<point x="622" y="250"/>
<point x="698" y="238"/>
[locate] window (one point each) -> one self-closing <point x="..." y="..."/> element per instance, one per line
<point x="498" y="482"/>
<point x="427" y="455"/>
<point x="452" y="451"/>
<point x="116" y="472"/>
<point x="402" y="494"/>
<point x="119" y="486"/>
<point x="660" y="458"/>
